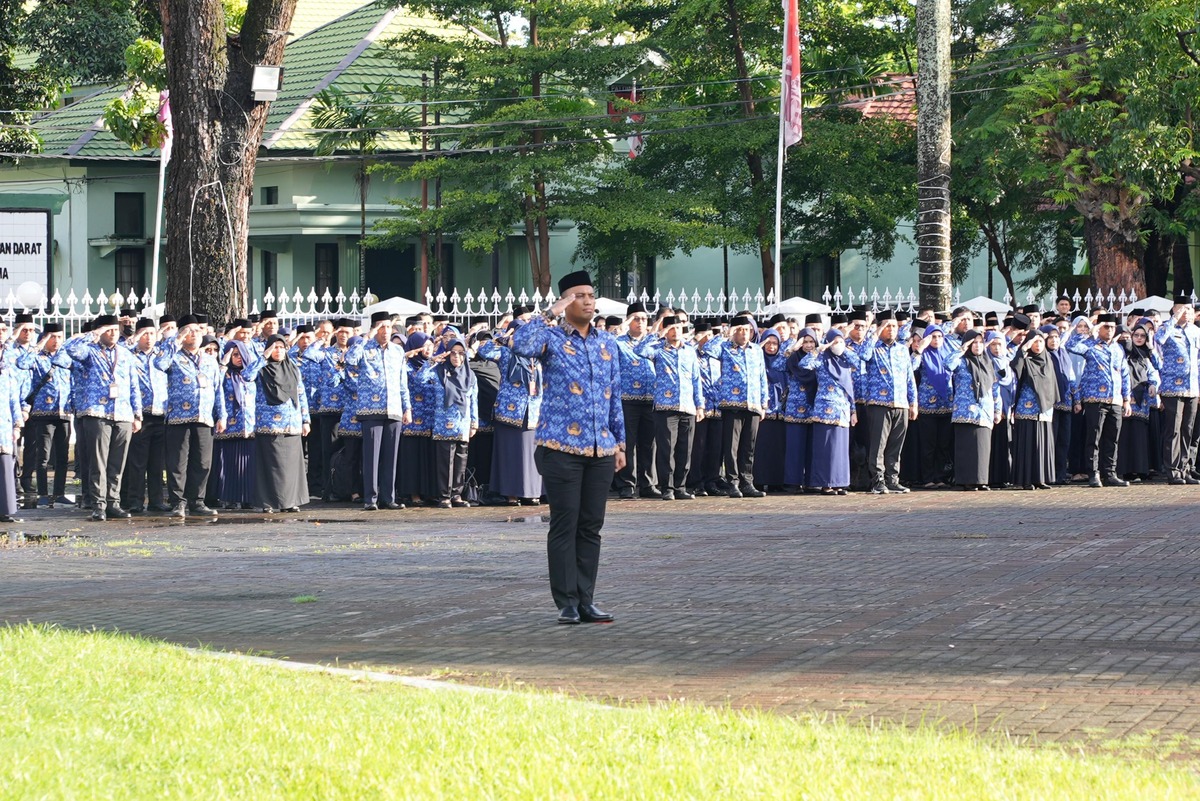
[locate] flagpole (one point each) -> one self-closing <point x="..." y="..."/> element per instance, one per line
<point x="783" y="84"/>
<point x="164" y="156"/>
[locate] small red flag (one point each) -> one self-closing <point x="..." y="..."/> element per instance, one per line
<point x="790" y="102"/>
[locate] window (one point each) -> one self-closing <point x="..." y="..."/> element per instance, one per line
<point x="270" y="270"/>
<point x="131" y="271"/>
<point x="617" y="283"/>
<point x="811" y="277"/>
<point x="326" y="262"/>
<point x="129" y="214"/>
<point x="270" y="195"/>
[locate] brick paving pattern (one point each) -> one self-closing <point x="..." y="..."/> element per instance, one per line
<point x="1060" y="615"/>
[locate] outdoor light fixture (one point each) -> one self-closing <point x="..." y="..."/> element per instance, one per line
<point x="267" y="82"/>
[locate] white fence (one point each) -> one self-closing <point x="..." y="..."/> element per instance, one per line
<point x="296" y="306"/>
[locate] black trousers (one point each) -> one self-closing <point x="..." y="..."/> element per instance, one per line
<point x="886" y="428"/>
<point x="381" y="450"/>
<point x="1178" y="419"/>
<point x="106" y="443"/>
<point x="1062" y="424"/>
<point x="706" y="453"/>
<point x="673" y="448"/>
<point x="639" y="438"/>
<point x="451" y="459"/>
<point x="577" y="489"/>
<point x="48" y="438"/>
<point x="1102" y="432"/>
<point x="189" y="460"/>
<point x="739" y="432"/>
<point x="81" y="465"/>
<point x="324" y="427"/>
<point x="937" y="447"/>
<point x="145" y="464"/>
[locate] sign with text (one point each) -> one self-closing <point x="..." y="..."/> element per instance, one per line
<point x="25" y="246"/>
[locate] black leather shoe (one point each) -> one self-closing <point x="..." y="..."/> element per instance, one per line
<point x="713" y="490"/>
<point x="626" y="494"/>
<point x="590" y="613"/>
<point x="569" y="615"/>
<point x="370" y="507"/>
<point x="698" y="492"/>
<point x="650" y="492"/>
<point x="393" y="505"/>
<point x="1094" y="481"/>
<point x="684" y="495"/>
<point x="1114" y="481"/>
<point x="10" y="519"/>
<point x="752" y="492"/>
<point x="179" y="511"/>
<point x="159" y="507"/>
<point x="734" y="492"/>
<point x="1179" y="481"/>
<point x="1190" y="480"/>
<point x="897" y="488"/>
<point x="202" y="511"/>
<point x="669" y="495"/>
<point x="98" y="515"/>
<point x="136" y="510"/>
<point x="118" y="512"/>
<point x="445" y="504"/>
<point x="63" y="499"/>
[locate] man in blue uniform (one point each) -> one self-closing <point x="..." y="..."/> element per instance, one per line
<point x="1179" y="341"/>
<point x="637" y="403"/>
<point x="1104" y="397"/>
<point x="580" y="439"/>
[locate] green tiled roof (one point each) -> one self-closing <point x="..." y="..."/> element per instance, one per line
<point x="346" y="52"/>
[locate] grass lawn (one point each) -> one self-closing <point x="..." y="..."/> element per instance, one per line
<point x="96" y="716"/>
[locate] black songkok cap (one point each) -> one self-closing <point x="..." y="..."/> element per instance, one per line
<point x="208" y="339"/>
<point x="885" y="315"/>
<point x="1182" y="300"/>
<point x="857" y="316"/>
<point x="836" y="319"/>
<point x="202" y="319"/>
<point x="103" y="321"/>
<point x="701" y="326"/>
<point x="441" y="318"/>
<point x="572" y="280"/>
<point x="941" y="317"/>
<point x="776" y="319"/>
<point x="379" y="317"/>
<point x="24" y="318"/>
<point x="188" y="319"/>
<point x="902" y="316"/>
<point x="241" y="322"/>
<point x="305" y="328"/>
<point x="670" y="320"/>
<point x="1138" y="312"/>
<point x="991" y="318"/>
<point x="637" y="307"/>
<point x="166" y="318"/>
<point x="1106" y="318"/>
<point x="614" y="321"/>
<point x="1021" y="321"/>
<point x="919" y="325"/>
<point x="52" y="328"/>
<point x="812" y="318"/>
<point x="1032" y="308"/>
<point x="143" y="322"/>
<point x="977" y="322"/>
<point x="741" y="319"/>
<point x="268" y="314"/>
<point x="345" y="322"/>
<point x="128" y="313"/>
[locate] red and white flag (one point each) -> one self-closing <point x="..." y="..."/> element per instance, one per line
<point x="790" y="100"/>
<point x="635" y="142"/>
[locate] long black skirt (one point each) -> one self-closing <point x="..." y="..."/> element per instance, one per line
<point x="1078" y="456"/>
<point x="280" y="480"/>
<point x="8" y="485"/>
<point x="972" y="454"/>
<point x="910" y="456"/>
<point x="1133" y="454"/>
<point x="233" y="464"/>
<point x="514" y="474"/>
<point x="418" y="472"/>
<point x="1000" y="472"/>
<point x="1033" y="452"/>
<point x="479" y="458"/>
<point x="830" y="465"/>
<point x="770" y="450"/>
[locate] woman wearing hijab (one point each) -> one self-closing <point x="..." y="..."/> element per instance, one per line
<point x="455" y="397"/>
<point x="1033" y="413"/>
<point x="770" y="449"/>
<point x="515" y="416"/>
<point x="802" y="390"/>
<point x="832" y="413"/>
<point x="1137" y="450"/>
<point x="935" y="401"/>
<point x="481" y="452"/>
<point x="233" y="449"/>
<point x="1068" y="396"/>
<point x="976" y="412"/>
<point x="1000" y="470"/>
<point x="417" y="482"/>
<point x="1077" y="457"/>
<point x="281" y="419"/>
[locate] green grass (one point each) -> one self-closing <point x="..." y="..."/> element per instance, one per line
<point x="304" y="599"/>
<point x="97" y="716"/>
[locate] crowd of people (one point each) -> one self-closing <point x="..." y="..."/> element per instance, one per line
<point x="177" y="417"/>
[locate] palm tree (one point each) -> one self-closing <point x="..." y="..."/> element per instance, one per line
<point x="361" y="123"/>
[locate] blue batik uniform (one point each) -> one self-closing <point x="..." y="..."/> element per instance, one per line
<point x="53" y="399"/>
<point x="1105" y="377"/>
<point x="151" y="383"/>
<point x="743" y="378"/>
<point x="519" y="399"/>
<point x="1140" y="399"/>
<point x="449" y="423"/>
<point x="329" y="394"/>
<point x="22" y="379"/>
<point x="310" y="372"/>
<point x="1180" y="348"/>
<point x="10" y="413"/>
<point x="889" y="379"/>
<point x="637" y="372"/>
<point x="802" y="386"/>
<point x="777" y="383"/>
<point x="382" y="384"/>
<point x="287" y="418"/>
<point x="709" y="361"/>
<point x="831" y="404"/>
<point x="677" y="384"/>
<point x="240" y="417"/>
<point x="581" y="413"/>
<point x="860" y="375"/>
<point x="193" y="386"/>
<point x="931" y="398"/>
<point x="106" y="372"/>
<point x="969" y="409"/>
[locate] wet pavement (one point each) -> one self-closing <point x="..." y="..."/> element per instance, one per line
<point x="1068" y="614"/>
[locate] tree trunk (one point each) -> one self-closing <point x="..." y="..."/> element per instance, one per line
<point x="1001" y="259"/>
<point x="1157" y="262"/>
<point x="218" y="128"/>
<point x="1115" y="261"/>
<point x="1181" y="261"/>
<point x="762" y="231"/>
<point x="933" y="152"/>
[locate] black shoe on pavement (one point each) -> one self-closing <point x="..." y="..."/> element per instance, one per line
<point x="116" y="511"/>
<point x="897" y="488"/>
<point x="1094" y="481"/>
<point x="684" y="495"/>
<point x="669" y="495"/>
<point x="98" y="515"/>
<point x="200" y="510"/>
<point x="179" y="511"/>
<point x="879" y="489"/>
<point x="590" y="613"/>
<point x="626" y="494"/>
<point x="1114" y="481"/>
<point x="569" y="615"/>
<point x="752" y="492"/>
<point x="734" y="492"/>
<point x="650" y="492"/>
<point x="370" y="507"/>
<point x="10" y="519"/>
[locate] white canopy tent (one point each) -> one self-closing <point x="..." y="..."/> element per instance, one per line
<point x="1156" y="302"/>
<point x="794" y="307"/>
<point x="610" y="308"/>
<point x="401" y="307"/>
<point x="984" y="304"/>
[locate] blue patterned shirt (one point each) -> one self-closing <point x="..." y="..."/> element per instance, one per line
<point x="581" y="412"/>
<point x="1180" y="347"/>
<point x="107" y="381"/>
<point x="743" y="378"/>
<point x="193" y="386"/>
<point x="1105" y="376"/>
<point x="53" y="398"/>
<point x="382" y="383"/>
<point x="677" y="386"/>
<point x="969" y="409"/>
<point x="888" y="375"/>
<point x="637" y="372"/>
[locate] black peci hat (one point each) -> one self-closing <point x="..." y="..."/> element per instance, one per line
<point x="572" y="280"/>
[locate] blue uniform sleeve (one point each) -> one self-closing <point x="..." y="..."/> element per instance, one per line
<point x="616" y="413"/>
<point x="533" y="338"/>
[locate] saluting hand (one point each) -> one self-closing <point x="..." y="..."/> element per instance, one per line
<point x="561" y="304"/>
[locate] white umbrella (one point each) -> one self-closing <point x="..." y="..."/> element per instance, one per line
<point x="401" y="307"/>
<point x="797" y="306"/>
<point x="1156" y="302"/>
<point x="985" y="304"/>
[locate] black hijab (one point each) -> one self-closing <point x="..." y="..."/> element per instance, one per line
<point x="280" y="380"/>
<point x="1037" y="371"/>
<point x="983" y="372"/>
<point x="1138" y="357"/>
<point x="457" y="381"/>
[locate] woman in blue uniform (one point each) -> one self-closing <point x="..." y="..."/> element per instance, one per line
<point x="802" y="389"/>
<point x="770" y="449"/>
<point x="976" y="412"/>
<point x="281" y="420"/>
<point x="832" y="414"/>
<point x="1033" y="414"/>
<point x="233" y="448"/>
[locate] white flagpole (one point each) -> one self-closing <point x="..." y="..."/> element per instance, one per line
<point x="779" y="159"/>
<point x="158" y="217"/>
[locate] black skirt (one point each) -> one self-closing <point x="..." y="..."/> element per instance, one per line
<point x="1000" y="472"/>
<point x="514" y="474"/>
<point x="972" y="454"/>
<point x="1133" y="454"/>
<point x="770" y="451"/>
<point x="1033" y="453"/>
<point x="279" y="478"/>
<point x="233" y="464"/>
<point x="418" y="473"/>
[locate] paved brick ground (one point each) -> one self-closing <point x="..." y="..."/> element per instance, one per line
<point x="1066" y="614"/>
